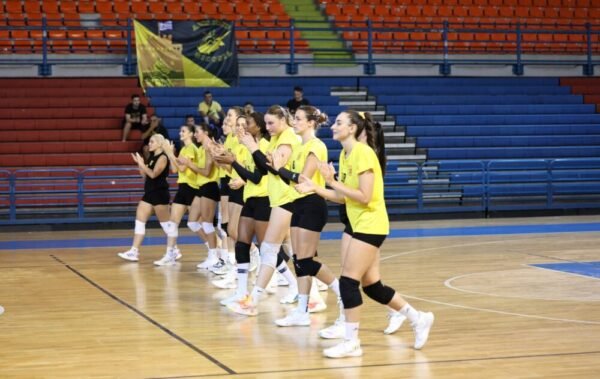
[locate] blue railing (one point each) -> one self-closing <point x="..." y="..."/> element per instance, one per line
<point x="111" y="194"/>
<point x="372" y="43"/>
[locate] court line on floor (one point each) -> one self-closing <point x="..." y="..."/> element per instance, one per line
<point x="146" y="317"/>
<point x="443" y="361"/>
<point x="462" y="231"/>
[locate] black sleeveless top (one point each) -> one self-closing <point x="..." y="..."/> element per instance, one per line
<point x="160" y="182"/>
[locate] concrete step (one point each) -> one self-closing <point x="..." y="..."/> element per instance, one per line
<point x="408" y="157"/>
<point x="430" y="181"/>
<point x="393" y="134"/>
<point x="358" y="103"/>
<point x="348" y="93"/>
<point x="399" y="145"/>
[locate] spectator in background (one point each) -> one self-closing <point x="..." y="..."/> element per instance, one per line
<point x="135" y="116"/>
<point x="156" y="127"/>
<point x="297" y="101"/>
<point x="248" y="108"/>
<point x="211" y="111"/>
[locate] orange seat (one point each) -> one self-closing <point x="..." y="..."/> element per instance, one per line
<point x="174" y="7"/>
<point x="277" y="9"/>
<point x="86" y="7"/>
<point x="155" y="8"/>
<point x="209" y="8"/>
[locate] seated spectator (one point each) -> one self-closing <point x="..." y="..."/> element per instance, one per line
<point x="297" y="101"/>
<point x="248" y="108"/>
<point x="155" y="127"/>
<point x="210" y="110"/>
<point x="135" y="116"/>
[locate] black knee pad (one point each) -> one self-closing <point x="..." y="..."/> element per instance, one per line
<point x="283" y="254"/>
<point x="224" y="226"/>
<point x="350" y="291"/>
<point x="307" y="267"/>
<point x="242" y="252"/>
<point x="379" y="292"/>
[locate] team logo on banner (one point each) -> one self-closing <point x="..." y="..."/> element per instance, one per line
<point x="186" y="53"/>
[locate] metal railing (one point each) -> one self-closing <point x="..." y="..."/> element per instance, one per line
<point x="365" y="42"/>
<point x="111" y="194"/>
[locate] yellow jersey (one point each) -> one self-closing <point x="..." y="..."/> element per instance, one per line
<point x="299" y="157"/>
<point x="213" y="176"/>
<point x="251" y="189"/>
<point x="279" y="192"/>
<point x="230" y="143"/>
<point x="371" y="218"/>
<point x="188" y="176"/>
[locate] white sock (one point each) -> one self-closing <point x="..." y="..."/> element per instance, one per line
<point x="287" y="274"/>
<point x="242" y="276"/>
<point x="255" y="295"/>
<point x="411" y="313"/>
<point x="303" y="303"/>
<point x="335" y="287"/>
<point x="314" y="291"/>
<point x="351" y="331"/>
<point x="231" y="256"/>
<point x="134" y="249"/>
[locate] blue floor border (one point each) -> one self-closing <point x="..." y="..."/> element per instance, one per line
<point x="591" y="269"/>
<point x="329" y="235"/>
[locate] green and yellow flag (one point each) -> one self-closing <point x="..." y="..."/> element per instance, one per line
<point x="186" y="53"/>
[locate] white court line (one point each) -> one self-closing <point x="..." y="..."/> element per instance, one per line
<point x="448" y="281"/>
<point x="485" y="309"/>
<point x="502" y="312"/>
<point x="565" y="272"/>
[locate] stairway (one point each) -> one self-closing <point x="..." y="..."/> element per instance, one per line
<point x="325" y="45"/>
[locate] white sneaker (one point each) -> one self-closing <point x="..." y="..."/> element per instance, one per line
<point x="227" y="282"/>
<point x="291" y="297"/>
<point x="177" y="253"/>
<point x="396" y="321"/>
<point x="321" y="286"/>
<point x="335" y="331"/>
<point x="344" y="349"/>
<point x="232" y="299"/>
<point x="422" y="328"/>
<point x="208" y="262"/>
<point x="294" y="318"/>
<point x="130" y="255"/>
<point x="254" y="259"/>
<point x="167" y="260"/>
<point x="281" y="282"/>
<point x="316" y="305"/>
<point x="218" y="268"/>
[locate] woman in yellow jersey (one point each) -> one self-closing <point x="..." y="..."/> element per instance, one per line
<point x="310" y="212"/>
<point x="185" y="192"/>
<point x="202" y="211"/>
<point x="225" y="177"/>
<point x="256" y="211"/>
<point x="360" y="187"/>
<point x="156" y="193"/>
<point x="281" y="196"/>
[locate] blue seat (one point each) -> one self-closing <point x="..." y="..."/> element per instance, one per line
<point x="448" y="82"/>
<point x="501" y="130"/>
<point x="499" y="119"/>
<point x="491" y="109"/>
<point x="514" y="152"/>
<point x="478" y="99"/>
<point x="498" y="141"/>
<point x="468" y="90"/>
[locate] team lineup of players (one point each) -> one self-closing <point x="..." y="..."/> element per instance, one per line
<point x="271" y="179"/>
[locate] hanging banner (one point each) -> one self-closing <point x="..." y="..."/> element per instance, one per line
<point x="186" y="53"/>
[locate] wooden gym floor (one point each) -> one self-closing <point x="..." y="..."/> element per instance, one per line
<point x="73" y="309"/>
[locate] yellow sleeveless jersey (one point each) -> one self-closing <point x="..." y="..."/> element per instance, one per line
<point x="188" y="176"/>
<point x="279" y="192"/>
<point x="213" y="176"/>
<point x="371" y="218"/>
<point x="251" y="189"/>
<point x="230" y="144"/>
<point x="299" y="157"/>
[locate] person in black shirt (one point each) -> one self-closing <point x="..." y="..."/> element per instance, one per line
<point x="156" y="194"/>
<point x="297" y="101"/>
<point x="135" y="116"/>
<point x="155" y="127"/>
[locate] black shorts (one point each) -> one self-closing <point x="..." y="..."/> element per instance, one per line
<point x="372" y="239"/>
<point x="288" y="207"/>
<point x="135" y="125"/>
<point x="185" y="194"/>
<point x="344" y="219"/>
<point x="257" y="208"/>
<point x="236" y="196"/>
<point x="209" y="190"/>
<point x="225" y="186"/>
<point x="310" y="212"/>
<point x="159" y="197"/>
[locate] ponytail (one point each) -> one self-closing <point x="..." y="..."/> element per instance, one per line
<point x="374" y="132"/>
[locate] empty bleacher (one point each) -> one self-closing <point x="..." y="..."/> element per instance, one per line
<point x="65" y="122"/>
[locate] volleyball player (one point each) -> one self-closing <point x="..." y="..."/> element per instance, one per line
<point x="185" y="192"/>
<point x="360" y="187"/>
<point x="310" y="213"/>
<point x="204" y="205"/>
<point x="281" y="196"/>
<point x="255" y="213"/>
<point x="156" y="193"/>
